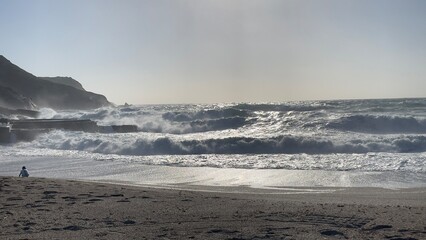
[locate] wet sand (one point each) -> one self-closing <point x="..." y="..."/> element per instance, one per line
<point x="36" y="208"/>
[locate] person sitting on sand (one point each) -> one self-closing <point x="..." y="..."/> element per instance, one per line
<point x="24" y="172"/>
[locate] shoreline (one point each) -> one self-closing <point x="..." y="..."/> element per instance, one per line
<point x="135" y="173"/>
<point x="40" y="208"/>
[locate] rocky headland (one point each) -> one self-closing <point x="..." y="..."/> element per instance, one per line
<point x="20" y="89"/>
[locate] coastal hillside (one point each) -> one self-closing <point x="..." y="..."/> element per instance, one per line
<point x="21" y="89"/>
<point x="65" y="81"/>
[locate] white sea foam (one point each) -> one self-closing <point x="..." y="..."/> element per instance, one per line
<point x="134" y="173"/>
<point x="359" y="135"/>
<point x="367" y="162"/>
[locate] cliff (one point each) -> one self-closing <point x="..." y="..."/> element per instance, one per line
<point x="25" y="90"/>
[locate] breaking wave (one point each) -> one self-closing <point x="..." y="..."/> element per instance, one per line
<point x="380" y="124"/>
<point x="154" y="121"/>
<point x="204" y="114"/>
<point x="367" y="135"/>
<point x="137" y="145"/>
<point x="195" y="126"/>
<point x="282" y="107"/>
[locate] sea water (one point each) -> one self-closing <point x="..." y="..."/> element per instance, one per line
<point x="308" y="143"/>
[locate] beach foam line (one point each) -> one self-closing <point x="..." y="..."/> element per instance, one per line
<point x="243" y="189"/>
<point x="139" y="174"/>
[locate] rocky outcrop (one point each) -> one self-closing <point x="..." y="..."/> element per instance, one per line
<point x="56" y="94"/>
<point x="11" y="99"/>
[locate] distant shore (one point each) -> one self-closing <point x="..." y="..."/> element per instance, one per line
<point x="37" y="208"/>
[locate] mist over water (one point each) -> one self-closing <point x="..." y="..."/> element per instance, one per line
<point x="356" y="135"/>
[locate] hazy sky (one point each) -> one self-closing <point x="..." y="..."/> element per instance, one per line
<point x="173" y="51"/>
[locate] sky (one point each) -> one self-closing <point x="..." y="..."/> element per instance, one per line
<point x="210" y="51"/>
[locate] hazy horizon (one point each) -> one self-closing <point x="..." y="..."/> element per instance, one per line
<point x="187" y="51"/>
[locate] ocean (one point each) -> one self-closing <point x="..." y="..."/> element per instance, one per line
<point x="336" y="143"/>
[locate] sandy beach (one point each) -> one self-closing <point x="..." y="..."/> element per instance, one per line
<point x="37" y="208"/>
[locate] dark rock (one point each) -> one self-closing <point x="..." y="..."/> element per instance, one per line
<point x="9" y="98"/>
<point x="6" y="112"/>
<point x="42" y="92"/>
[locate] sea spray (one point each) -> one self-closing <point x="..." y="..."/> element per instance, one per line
<point x="356" y="135"/>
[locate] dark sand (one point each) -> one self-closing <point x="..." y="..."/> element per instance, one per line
<point x="34" y="208"/>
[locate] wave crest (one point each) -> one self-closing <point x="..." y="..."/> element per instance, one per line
<point x="379" y="124"/>
<point x="204" y="114"/>
<point x="282" y="107"/>
<point x="135" y="144"/>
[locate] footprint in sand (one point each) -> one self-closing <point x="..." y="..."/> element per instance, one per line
<point x="101" y="234"/>
<point x="117" y="195"/>
<point x="14" y="199"/>
<point x="223" y="231"/>
<point x="50" y="192"/>
<point x="330" y="232"/>
<point x="127" y="222"/>
<point x="10" y="205"/>
<point x="43" y="210"/>
<point x="73" y="228"/>
<point x="30" y="224"/>
<point x="31" y="205"/>
<point x="84" y="195"/>
<point x="95" y="200"/>
<point x="378" y="227"/>
<point x="69" y="198"/>
<point x="102" y="196"/>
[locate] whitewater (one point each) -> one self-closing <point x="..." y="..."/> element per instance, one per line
<point x="308" y="143"/>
